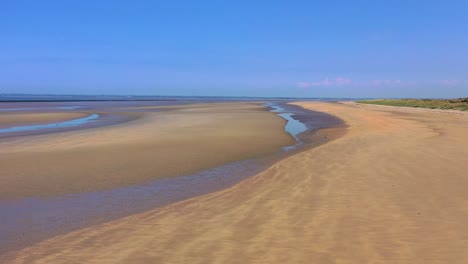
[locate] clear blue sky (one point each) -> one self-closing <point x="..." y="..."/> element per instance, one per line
<point x="251" y="48"/>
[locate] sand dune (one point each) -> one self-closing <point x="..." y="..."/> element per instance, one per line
<point x="392" y="190"/>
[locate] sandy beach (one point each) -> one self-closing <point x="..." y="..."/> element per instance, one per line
<point x="391" y="190"/>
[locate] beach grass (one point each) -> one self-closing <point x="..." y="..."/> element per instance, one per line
<point x="455" y="104"/>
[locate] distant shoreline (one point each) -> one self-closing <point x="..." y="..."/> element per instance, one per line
<point x="34" y="98"/>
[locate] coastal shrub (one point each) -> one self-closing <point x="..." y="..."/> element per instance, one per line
<point x="456" y="104"/>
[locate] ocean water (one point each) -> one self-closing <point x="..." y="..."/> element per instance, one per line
<point x="20" y="109"/>
<point x="64" y="98"/>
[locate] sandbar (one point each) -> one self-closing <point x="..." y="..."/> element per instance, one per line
<point x="157" y="144"/>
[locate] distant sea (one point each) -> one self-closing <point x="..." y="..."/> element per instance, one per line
<point x="77" y="98"/>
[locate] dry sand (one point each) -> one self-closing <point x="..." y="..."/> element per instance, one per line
<point x="186" y="139"/>
<point x="394" y="189"/>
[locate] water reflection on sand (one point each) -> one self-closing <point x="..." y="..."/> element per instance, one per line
<point x="55" y="125"/>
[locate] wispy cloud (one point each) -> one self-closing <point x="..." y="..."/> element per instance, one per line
<point x="339" y="81"/>
<point x="386" y="82"/>
<point x="382" y="83"/>
<point x="389" y="82"/>
<point x="452" y="82"/>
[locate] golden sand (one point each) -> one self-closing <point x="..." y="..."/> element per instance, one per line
<point x="392" y="190"/>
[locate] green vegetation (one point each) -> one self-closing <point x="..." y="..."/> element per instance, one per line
<point x="456" y="104"/>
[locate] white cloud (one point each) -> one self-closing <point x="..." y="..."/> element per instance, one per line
<point x="339" y="81"/>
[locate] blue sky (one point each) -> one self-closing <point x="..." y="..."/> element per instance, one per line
<point x="236" y="48"/>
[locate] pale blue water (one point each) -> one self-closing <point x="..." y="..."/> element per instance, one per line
<point x="293" y="127"/>
<point x="64" y="124"/>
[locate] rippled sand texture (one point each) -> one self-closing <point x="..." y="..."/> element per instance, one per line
<point x="183" y="140"/>
<point x="394" y="189"/>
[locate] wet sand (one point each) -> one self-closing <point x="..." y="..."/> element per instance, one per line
<point x="18" y="119"/>
<point x="391" y="190"/>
